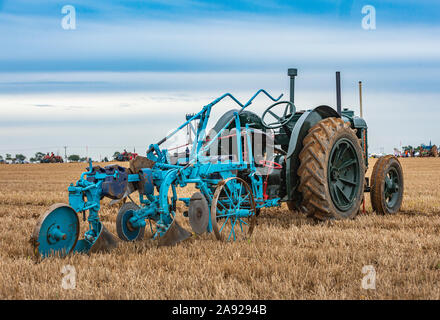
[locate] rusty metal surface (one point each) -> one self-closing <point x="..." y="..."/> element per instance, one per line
<point x="105" y="242"/>
<point x="174" y="235"/>
<point x="135" y="166"/>
<point x="139" y="163"/>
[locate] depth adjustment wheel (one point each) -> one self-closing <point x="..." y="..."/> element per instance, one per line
<point x="233" y="212"/>
<point x="124" y="229"/>
<point x="386" y="185"/>
<point x="332" y="171"/>
<point x="56" y="231"/>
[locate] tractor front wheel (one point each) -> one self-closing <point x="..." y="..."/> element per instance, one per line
<point x="332" y="171"/>
<point x="386" y="185"/>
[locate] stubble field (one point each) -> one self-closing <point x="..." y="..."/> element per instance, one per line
<point x="289" y="256"/>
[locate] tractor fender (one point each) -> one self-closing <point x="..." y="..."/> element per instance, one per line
<point x="300" y="131"/>
<point x="245" y="117"/>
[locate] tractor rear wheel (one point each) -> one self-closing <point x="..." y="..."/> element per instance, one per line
<point x="386" y="185"/>
<point x="332" y="171"/>
<point x="434" y="151"/>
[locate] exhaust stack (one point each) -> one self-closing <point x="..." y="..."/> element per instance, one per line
<point x="338" y="93"/>
<point x="292" y="73"/>
<point x="360" y="100"/>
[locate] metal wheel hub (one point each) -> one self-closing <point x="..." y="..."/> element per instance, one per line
<point x="130" y="226"/>
<point x="391" y="189"/>
<point x="344" y="178"/>
<point x="335" y="175"/>
<point x="54" y="234"/>
<point x="132" y="223"/>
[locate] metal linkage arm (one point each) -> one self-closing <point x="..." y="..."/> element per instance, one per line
<point x="261" y="91"/>
<point x="88" y="172"/>
<point x="210" y="105"/>
<point x="205" y="148"/>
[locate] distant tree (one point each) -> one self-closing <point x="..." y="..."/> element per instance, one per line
<point x="8" y="156"/>
<point x="74" y="158"/>
<point x="20" y="157"/>
<point x="105" y="159"/>
<point x="39" y="156"/>
<point x="1" y="158"/>
<point x="32" y="160"/>
<point x="83" y="159"/>
<point x="116" y="155"/>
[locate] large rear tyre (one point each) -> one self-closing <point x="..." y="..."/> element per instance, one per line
<point x="387" y="185"/>
<point x="332" y="171"/>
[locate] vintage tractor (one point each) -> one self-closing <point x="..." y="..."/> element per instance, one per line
<point x="427" y="151"/>
<point x="125" y="156"/>
<point x="314" y="160"/>
<point x="51" y="158"/>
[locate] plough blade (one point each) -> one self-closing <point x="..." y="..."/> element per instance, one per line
<point x="105" y="242"/>
<point x="174" y="235"/>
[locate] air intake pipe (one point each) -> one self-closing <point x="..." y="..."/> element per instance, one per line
<point x="292" y="73"/>
<point x="338" y="93"/>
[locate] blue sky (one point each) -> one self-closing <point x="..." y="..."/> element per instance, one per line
<point x="177" y="55"/>
<point x="35" y="42"/>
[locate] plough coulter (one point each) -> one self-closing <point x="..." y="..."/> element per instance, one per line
<point x="314" y="160"/>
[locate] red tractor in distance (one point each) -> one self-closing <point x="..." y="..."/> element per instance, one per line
<point x="51" y="158"/>
<point x="125" y="156"/>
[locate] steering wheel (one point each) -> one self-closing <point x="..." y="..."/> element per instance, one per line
<point x="280" y="120"/>
<point x="271" y="164"/>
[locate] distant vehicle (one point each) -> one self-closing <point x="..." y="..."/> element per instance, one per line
<point x="51" y="158"/>
<point x="427" y="150"/>
<point x="376" y="155"/>
<point x="126" y="156"/>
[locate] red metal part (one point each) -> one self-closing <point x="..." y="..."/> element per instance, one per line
<point x="270" y="164"/>
<point x="265" y="195"/>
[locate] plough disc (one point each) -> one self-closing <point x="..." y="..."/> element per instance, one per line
<point x="56" y="232"/>
<point x="125" y="230"/>
<point x="198" y="213"/>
